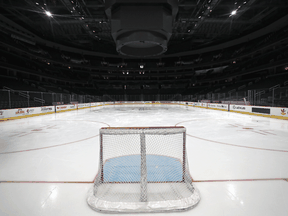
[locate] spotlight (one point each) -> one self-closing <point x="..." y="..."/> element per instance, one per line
<point x="233" y="12"/>
<point x="141" y="66"/>
<point x="48" y="14"/>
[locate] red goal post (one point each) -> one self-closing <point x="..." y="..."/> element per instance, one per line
<point x="143" y="169"/>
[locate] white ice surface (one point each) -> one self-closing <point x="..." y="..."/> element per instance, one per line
<point x="219" y="149"/>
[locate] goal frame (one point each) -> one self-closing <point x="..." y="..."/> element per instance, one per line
<point x="144" y="204"/>
<point x="141" y="128"/>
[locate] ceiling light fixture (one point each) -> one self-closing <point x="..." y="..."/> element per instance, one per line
<point x="233" y="12"/>
<point x="48" y="14"/>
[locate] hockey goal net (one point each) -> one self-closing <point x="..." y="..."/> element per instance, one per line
<point x="143" y="169"/>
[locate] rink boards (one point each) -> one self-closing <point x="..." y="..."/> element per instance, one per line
<point x="270" y="112"/>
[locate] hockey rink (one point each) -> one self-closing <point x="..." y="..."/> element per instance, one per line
<point x="239" y="163"/>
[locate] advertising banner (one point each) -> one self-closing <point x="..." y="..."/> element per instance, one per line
<point x="190" y="103"/>
<point x="66" y="107"/>
<point x="47" y="109"/>
<point x="83" y="105"/>
<point x="263" y="110"/>
<point x="21" y="112"/>
<point x="2" y="114"/>
<point x="240" y="108"/>
<point x="279" y="112"/>
<point x="222" y="106"/>
<point x="213" y="106"/>
<point x="61" y="108"/>
<point x="218" y="106"/>
<point x="204" y="105"/>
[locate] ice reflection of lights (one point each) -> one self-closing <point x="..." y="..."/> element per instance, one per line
<point x="54" y="193"/>
<point x="232" y="193"/>
<point x="52" y="196"/>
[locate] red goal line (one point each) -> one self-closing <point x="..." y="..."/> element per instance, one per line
<point x="241" y="180"/>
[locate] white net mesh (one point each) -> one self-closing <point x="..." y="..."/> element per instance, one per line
<point x="143" y="170"/>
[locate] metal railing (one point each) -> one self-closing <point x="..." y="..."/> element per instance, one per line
<point x="274" y="96"/>
<point x="10" y="98"/>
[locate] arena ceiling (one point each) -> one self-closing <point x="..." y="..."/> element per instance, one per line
<point x="87" y="25"/>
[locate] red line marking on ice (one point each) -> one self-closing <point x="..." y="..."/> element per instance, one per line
<point x="259" y="133"/>
<point x="51" y="182"/>
<point x="235" y="180"/>
<point x="237" y="145"/>
<point x="84" y="120"/>
<point x="265" y="131"/>
<point x="49" y="146"/>
<point x="233" y="125"/>
<point x="195" y="181"/>
<point x="25" y="134"/>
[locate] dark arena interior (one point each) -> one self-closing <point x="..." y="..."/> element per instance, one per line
<point x="144" y="50"/>
<point x="143" y="107"/>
